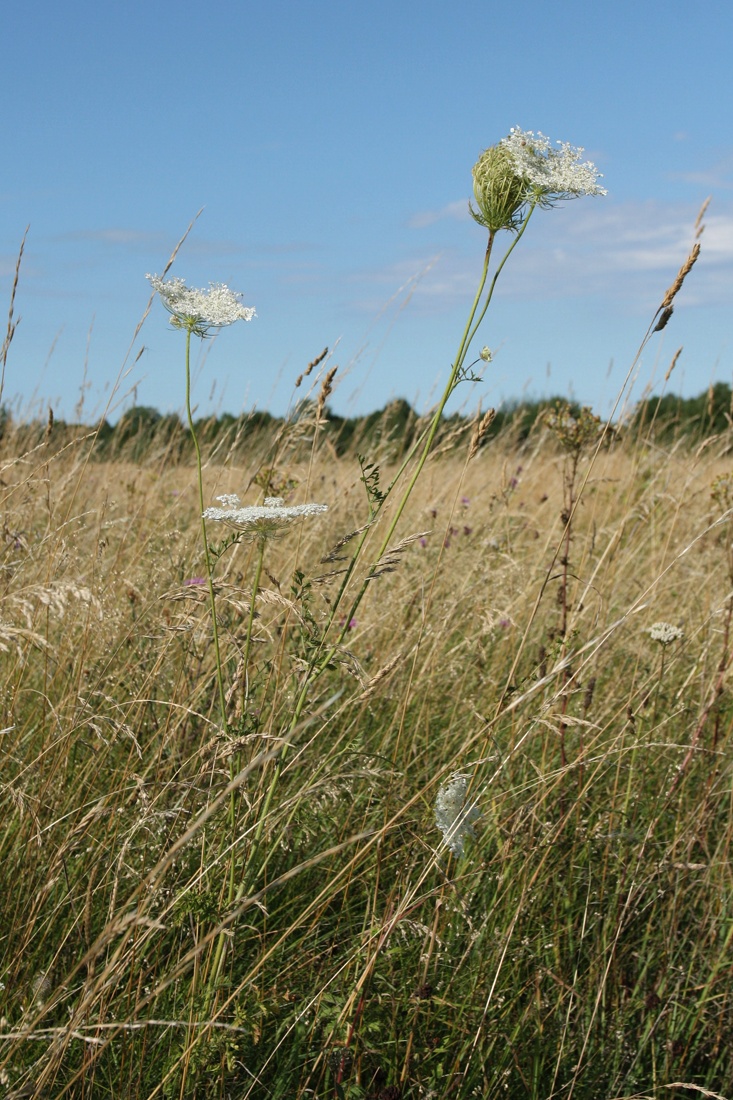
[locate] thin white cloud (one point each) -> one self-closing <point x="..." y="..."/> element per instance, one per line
<point x="114" y="235"/>
<point x="718" y="177"/>
<point x="453" y="211"/>
<point x="626" y="252"/>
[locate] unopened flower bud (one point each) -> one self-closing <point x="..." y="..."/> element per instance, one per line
<point x="499" y="192"/>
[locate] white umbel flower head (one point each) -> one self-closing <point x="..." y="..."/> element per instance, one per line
<point x="200" y="310"/>
<point x="665" y="633"/>
<point x="550" y="174"/>
<point x="452" y="816"/>
<point x="261" y="521"/>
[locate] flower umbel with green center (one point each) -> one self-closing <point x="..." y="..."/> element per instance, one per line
<point x="198" y="311"/>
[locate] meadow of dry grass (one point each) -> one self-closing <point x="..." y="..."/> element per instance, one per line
<point x="202" y="905"/>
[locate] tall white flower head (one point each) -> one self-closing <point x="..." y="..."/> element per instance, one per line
<point x="665" y="633"/>
<point x="550" y="174"/>
<point x="261" y="521"/>
<point x="452" y="816"/>
<point x="522" y="171"/>
<point x="200" y="310"/>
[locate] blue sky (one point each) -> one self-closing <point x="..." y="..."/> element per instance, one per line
<point x="330" y="145"/>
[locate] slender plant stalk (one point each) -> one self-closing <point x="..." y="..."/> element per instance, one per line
<point x="207" y="556"/>
<point x="320" y="663"/>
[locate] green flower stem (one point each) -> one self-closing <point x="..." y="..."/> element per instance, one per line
<point x="251" y="619"/>
<point x="319" y="665"/>
<point x="207" y="557"/>
<point x="234" y="766"/>
<point x="215" y="627"/>
<point x="427" y="437"/>
<point x="469" y="333"/>
<point x="348" y="572"/>
<point x="659" y="686"/>
<point x="234" y="895"/>
<point x="497" y="273"/>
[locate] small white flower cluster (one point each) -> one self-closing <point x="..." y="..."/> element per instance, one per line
<point x="665" y="633"/>
<point x="261" y="521"/>
<point x="551" y="173"/>
<point x="199" y="310"/>
<point x="452" y="816"/>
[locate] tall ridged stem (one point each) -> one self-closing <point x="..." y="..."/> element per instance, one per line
<point x="251" y="619"/>
<point x="215" y="630"/>
<point x="469" y="332"/>
<point x="207" y="557"/>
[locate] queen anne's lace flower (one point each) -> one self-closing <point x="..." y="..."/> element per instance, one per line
<point x="665" y="633"/>
<point x="200" y="310"/>
<point x="524" y="171"/>
<point x="261" y="521"/>
<point x="452" y="816"/>
<point x="551" y="174"/>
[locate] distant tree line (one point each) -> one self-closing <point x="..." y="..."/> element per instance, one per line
<point x="142" y="432"/>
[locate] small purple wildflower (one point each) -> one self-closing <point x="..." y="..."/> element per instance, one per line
<point x="465" y="501"/>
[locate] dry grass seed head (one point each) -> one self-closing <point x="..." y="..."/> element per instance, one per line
<point x="391" y="558"/>
<point x="311" y="366"/>
<point x="324" y="394"/>
<point x="673" y="364"/>
<point x="480" y="428"/>
<point x="682" y="274"/>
